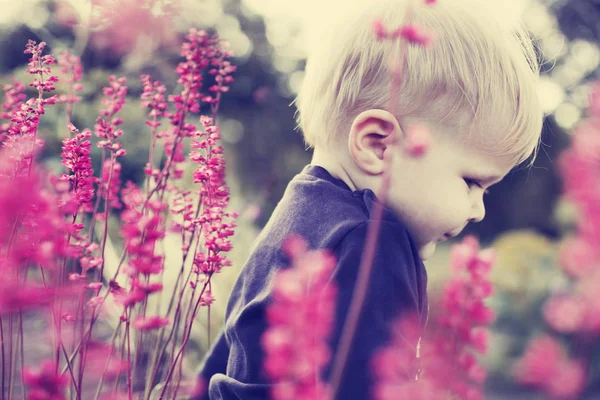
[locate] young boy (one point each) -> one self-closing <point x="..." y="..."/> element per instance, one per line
<point x="474" y="90"/>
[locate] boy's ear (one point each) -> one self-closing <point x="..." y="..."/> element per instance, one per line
<point x="371" y="133"/>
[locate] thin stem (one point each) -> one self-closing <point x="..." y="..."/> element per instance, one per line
<point x="60" y="343"/>
<point x="127" y="335"/>
<point x="112" y="340"/>
<point x="22" y="341"/>
<point x="3" y="354"/>
<point x="184" y="343"/>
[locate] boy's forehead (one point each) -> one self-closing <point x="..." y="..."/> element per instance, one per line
<point x="475" y="153"/>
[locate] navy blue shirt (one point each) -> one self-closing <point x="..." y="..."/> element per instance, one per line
<point x="328" y="214"/>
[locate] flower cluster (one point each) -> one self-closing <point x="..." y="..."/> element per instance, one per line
<point x="546" y="365"/>
<point x="447" y="359"/>
<point x="296" y="352"/>
<point x="76" y="158"/>
<point x="44" y="383"/>
<point x="25" y="117"/>
<point x="120" y="25"/>
<point x="44" y="220"/>
<point x="215" y="198"/>
<point x="70" y="67"/>
<point x="111" y="182"/>
<point x="141" y="232"/>
<point x="573" y="311"/>
<point x="153" y="97"/>
<point x="106" y="125"/>
<point x="13" y="99"/>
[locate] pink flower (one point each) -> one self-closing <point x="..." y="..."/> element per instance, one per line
<point x="417" y="140"/>
<point x="110" y="183"/>
<point x="447" y="354"/>
<point x="380" y="30"/>
<point x="44" y="383"/>
<point x="565" y="313"/>
<point x="541" y="361"/>
<point x="545" y="365"/>
<point x="120" y="24"/>
<point x="14" y="97"/>
<point x="295" y="351"/>
<point x="414" y="35"/>
<point x="149" y="323"/>
<point x="579" y="257"/>
<point x="76" y="158"/>
<point x="71" y="67"/>
<point x="15" y="296"/>
<point x="568" y="381"/>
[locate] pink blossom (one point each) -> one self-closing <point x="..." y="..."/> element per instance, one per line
<point x="545" y="365"/>
<point x="541" y="361"/>
<point x="380" y="30"/>
<point x="447" y="354"/>
<point x="565" y="313"/>
<point x="120" y="24"/>
<point x="414" y="35"/>
<point x="101" y="356"/>
<point x="141" y="233"/>
<point x="149" y="323"/>
<point x="76" y="158"/>
<point x="14" y="97"/>
<point x="110" y="183"/>
<point x="296" y="352"/>
<point x="44" y="383"/>
<point x="579" y="257"/>
<point x="417" y="140"/>
<point x="71" y="67"/>
<point x="15" y="296"/>
<point x="568" y="381"/>
<point x="153" y="97"/>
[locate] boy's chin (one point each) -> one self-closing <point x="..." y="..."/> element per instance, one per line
<point x="427" y="250"/>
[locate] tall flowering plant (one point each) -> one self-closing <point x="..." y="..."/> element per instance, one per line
<point x="560" y="364"/>
<point x="54" y="229"/>
<point x="447" y="365"/>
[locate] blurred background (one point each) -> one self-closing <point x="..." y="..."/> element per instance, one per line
<point x="526" y="216"/>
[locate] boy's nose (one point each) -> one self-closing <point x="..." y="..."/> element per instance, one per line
<point x="478" y="211"/>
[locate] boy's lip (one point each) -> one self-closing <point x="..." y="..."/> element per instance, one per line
<point x="447" y="236"/>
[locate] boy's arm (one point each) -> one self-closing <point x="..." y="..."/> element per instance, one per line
<point x="394" y="291"/>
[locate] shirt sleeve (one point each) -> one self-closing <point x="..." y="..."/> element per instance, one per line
<point x="392" y="293"/>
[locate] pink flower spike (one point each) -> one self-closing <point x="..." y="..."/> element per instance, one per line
<point x="45" y="382"/>
<point x="417" y="140"/>
<point x="414" y="35"/>
<point x="294" y="246"/>
<point x="430" y="1"/>
<point x="568" y="381"/>
<point x="380" y="30"/>
<point x="149" y="323"/>
<point x="541" y="362"/>
<point x="566" y="314"/>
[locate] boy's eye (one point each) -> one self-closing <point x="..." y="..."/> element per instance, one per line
<point x="472" y="182"/>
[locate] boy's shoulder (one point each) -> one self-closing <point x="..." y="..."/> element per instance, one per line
<point x="327" y="214"/>
<point x="322" y="209"/>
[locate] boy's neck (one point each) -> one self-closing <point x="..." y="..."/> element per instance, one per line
<point x="332" y="164"/>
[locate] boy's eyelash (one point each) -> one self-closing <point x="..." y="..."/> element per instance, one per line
<point x="470" y="182"/>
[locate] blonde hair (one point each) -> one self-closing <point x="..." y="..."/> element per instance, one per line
<point x="477" y="65"/>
